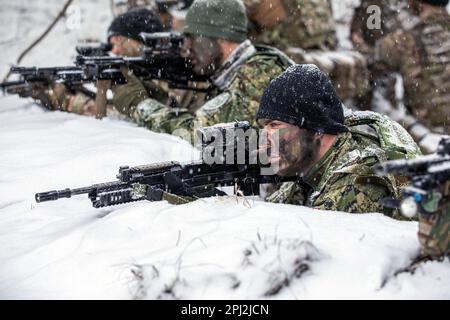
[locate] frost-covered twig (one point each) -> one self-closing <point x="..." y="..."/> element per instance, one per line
<point x="43" y="35"/>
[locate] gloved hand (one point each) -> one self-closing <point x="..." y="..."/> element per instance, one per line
<point x="39" y="91"/>
<point x="267" y="13"/>
<point x="127" y="96"/>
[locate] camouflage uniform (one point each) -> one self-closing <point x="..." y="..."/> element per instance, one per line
<point x="343" y="179"/>
<point x="127" y="96"/>
<point x="346" y="69"/>
<point x="392" y="14"/>
<point x="60" y="97"/>
<point x="434" y="229"/>
<point x="77" y="102"/>
<point x="422" y="56"/>
<point x="306" y="24"/>
<point x="238" y="86"/>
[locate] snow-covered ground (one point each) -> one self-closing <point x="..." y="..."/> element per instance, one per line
<point x="219" y="248"/>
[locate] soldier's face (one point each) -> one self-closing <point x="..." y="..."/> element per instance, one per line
<point x="204" y="54"/>
<point x="291" y="149"/>
<point x="124" y="47"/>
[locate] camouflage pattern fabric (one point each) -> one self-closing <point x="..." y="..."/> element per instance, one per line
<point x="434" y="229"/>
<point x="308" y="25"/>
<point x="78" y="102"/>
<point x="127" y="96"/>
<point x="422" y="56"/>
<point x="307" y="35"/>
<point x="64" y="99"/>
<point x="393" y="15"/>
<point x="391" y="12"/>
<point x="189" y="99"/>
<point x="343" y="179"/>
<point x="346" y="69"/>
<point x="236" y="97"/>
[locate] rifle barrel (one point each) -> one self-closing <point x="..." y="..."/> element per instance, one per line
<point x="67" y="193"/>
<point x="6" y="84"/>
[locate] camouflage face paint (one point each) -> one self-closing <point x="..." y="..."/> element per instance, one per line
<point x="297" y="148"/>
<point x="298" y="152"/>
<point x="204" y="53"/>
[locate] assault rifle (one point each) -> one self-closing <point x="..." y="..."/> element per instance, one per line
<point x="32" y="79"/>
<point x="196" y="178"/>
<point x="427" y="174"/>
<point x="45" y="76"/>
<point x="160" y="60"/>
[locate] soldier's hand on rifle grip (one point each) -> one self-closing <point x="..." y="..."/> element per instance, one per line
<point x="127" y="96"/>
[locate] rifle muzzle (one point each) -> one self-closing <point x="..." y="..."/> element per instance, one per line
<point x="52" y="195"/>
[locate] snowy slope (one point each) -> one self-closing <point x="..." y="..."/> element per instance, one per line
<point x="217" y="248"/>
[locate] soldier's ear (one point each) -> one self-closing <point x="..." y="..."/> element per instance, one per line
<point x="318" y="136"/>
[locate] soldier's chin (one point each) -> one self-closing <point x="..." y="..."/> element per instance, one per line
<point x="278" y="165"/>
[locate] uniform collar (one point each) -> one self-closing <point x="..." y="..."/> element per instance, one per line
<point x="315" y="174"/>
<point x="225" y="73"/>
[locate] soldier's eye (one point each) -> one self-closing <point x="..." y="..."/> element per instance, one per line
<point x="274" y="124"/>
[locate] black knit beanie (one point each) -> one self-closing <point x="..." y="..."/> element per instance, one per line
<point x="440" y="3"/>
<point x="303" y="96"/>
<point x="133" y="22"/>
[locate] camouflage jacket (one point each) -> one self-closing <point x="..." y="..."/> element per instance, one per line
<point x="343" y="179"/>
<point x="422" y="56"/>
<point x="392" y="13"/>
<point x="238" y="87"/>
<point x="127" y="96"/>
<point x="306" y="24"/>
<point x="434" y="229"/>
